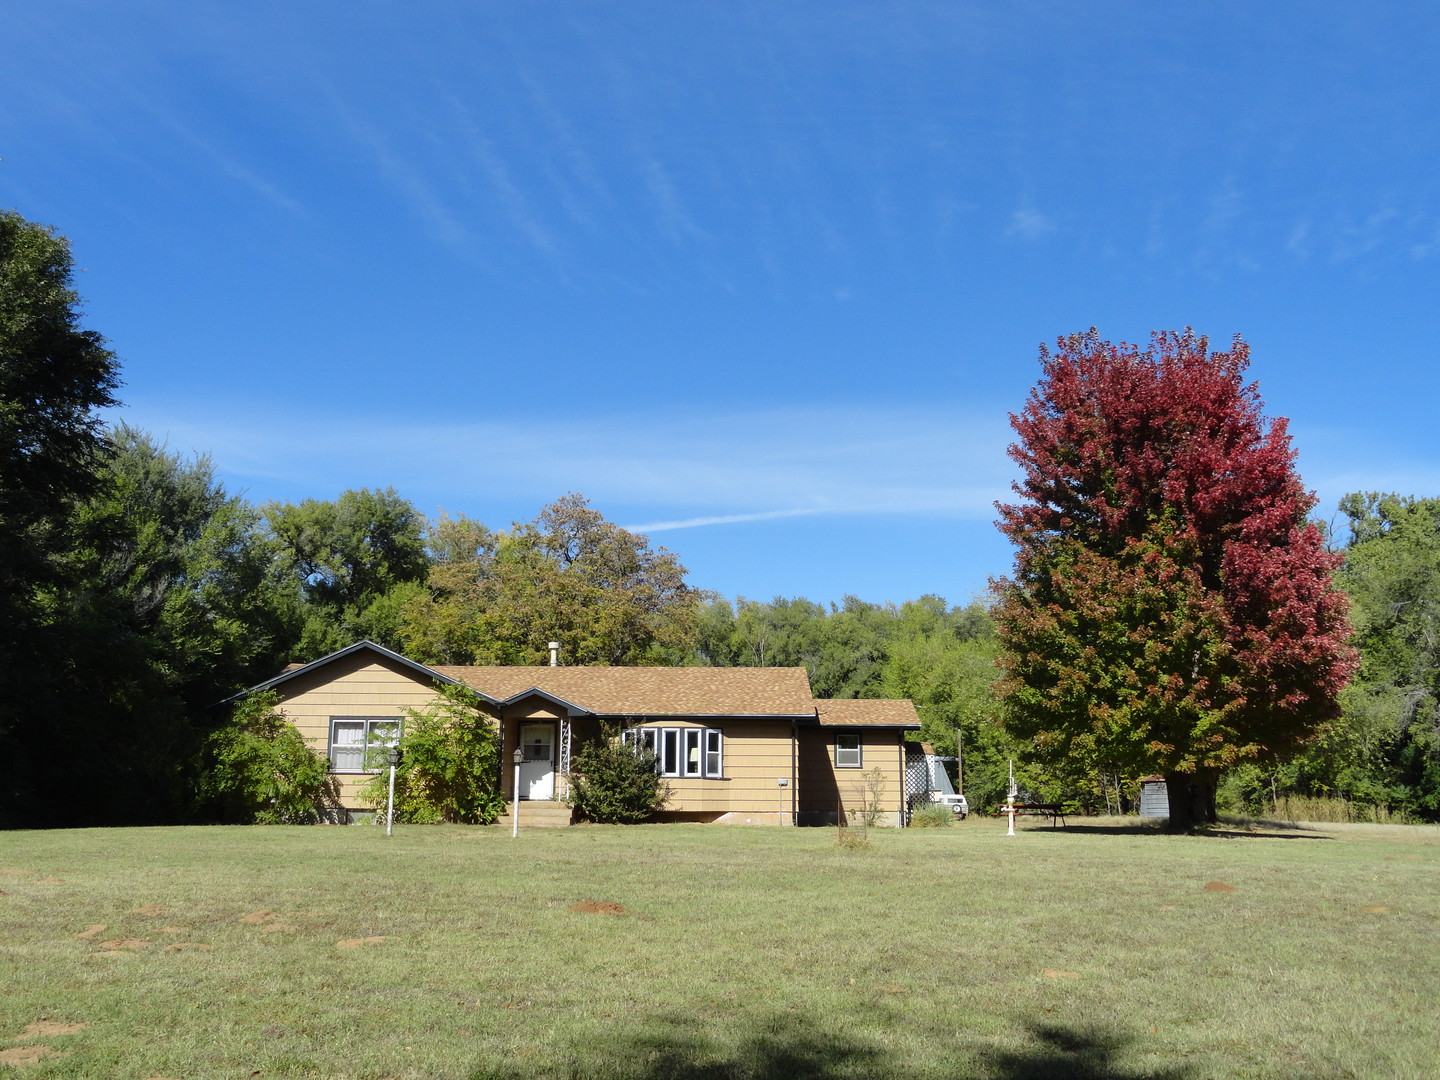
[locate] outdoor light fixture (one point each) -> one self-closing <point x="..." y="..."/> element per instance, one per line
<point x="394" y="759"/>
<point x="515" y="813"/>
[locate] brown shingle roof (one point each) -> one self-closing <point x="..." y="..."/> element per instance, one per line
<point x="868" y="712"/>
<point x="653" y="691"/>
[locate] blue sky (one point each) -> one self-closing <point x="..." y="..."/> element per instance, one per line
<point x="763" y="280"/>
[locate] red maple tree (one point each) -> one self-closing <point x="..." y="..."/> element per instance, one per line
<point x="1171" y="609"/>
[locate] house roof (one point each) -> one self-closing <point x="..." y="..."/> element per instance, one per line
<point x="650" y="691"/>
<point x="643" y="691"/>
<point x="293" y="671"/>
<point x="867" y="712"/>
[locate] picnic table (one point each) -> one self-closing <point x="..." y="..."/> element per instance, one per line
<point x="1054" y="811"/>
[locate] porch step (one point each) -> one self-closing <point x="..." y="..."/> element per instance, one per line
<point x="538" y="815"/>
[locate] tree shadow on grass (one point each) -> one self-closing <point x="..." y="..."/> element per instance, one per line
<point x="791" y="1047"/>
<point x="1217" y="832"/>
<point x="1070" y="1054"/>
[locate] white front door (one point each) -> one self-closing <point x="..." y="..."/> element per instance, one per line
<point x="537" y="771"/>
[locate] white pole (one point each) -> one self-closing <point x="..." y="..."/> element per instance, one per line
<point x="515" y="813"/>
<point x="1011" y="806"/>
<point x="390" y="807"/>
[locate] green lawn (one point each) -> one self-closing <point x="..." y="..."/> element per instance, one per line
<point x="764" y="952"/>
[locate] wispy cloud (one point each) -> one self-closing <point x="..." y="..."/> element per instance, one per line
<point x="397" y="170"/>
<point x="686" y="472"/>
<point x="1030" y="225"/>
<point x="722" y="519"/>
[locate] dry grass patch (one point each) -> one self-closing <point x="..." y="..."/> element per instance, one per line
<point x="29" y="1055"/>
<point x="44" y="1029"/>
<point x="599" y="907"/>
<point x="357" y="942"/>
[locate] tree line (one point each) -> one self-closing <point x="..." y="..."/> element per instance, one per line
<point x="135" y="592"/>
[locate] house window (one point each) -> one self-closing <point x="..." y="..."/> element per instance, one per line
<point x="692" y="751"/>
<point x="647" y="739"/>
<point x="353" y="743"/>
<point x="682" y="751"/>
<point x="713" y="760"/>
<point x="847" y="750"/>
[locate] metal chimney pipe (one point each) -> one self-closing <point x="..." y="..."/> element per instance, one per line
<point x="554" y="654"/>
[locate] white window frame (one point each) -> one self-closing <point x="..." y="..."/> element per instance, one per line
<point x="842" y="753"/>
<point x="644" y="738"/>
<point x="683" y="753"/>
<point x="690" y="762"/>
<point x="712" y="750"/>
<point x="370" y="740"/>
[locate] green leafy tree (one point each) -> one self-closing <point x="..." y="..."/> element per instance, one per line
<point x="449" y="766"/>
<point x="54" y="377"/>
<point x="614" y="783"/>
<point x="842" y="647"/>
<point x="567" y="576"/>
<point x="165" y="602"/>
<point x="1385" y="747"/>
<point x="944" y="660"/>
<point x="354" y="563"/>
<point x="257" y="769"/>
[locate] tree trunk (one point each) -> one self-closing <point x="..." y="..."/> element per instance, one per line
<point x="1192" y="798"/>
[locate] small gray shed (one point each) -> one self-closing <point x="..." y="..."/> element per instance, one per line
<point x="1154" y="797"/>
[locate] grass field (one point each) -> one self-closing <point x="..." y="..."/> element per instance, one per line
<point x="716" y="952"/>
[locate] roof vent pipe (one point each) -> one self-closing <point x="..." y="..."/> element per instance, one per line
<point x="554" y="654"/>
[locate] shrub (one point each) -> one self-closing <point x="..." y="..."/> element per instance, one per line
<point x="872" y="796"/>
<point x="258" y="769"/>
<point x="449" y="766"/>
<point x="614" y="783"/>
<point x="932" y="816"/>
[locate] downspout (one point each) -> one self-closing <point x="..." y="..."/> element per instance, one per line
<point x="904" y="780"/>
<point x="794" y="772"/>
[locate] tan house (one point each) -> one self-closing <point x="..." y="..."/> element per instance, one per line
<point x="738" y="745"/>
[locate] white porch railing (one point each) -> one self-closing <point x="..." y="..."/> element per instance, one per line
<point x="563" y="785"/>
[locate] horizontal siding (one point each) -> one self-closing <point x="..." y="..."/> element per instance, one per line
<point x="756" y="755"/>
<point x="360" y="686"/>
<point x="824" y="785"/>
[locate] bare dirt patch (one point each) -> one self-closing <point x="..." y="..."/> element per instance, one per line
<point x="29" y="1055"/>
<point x="150" y="909"/>
<point x="1218" y="886"/>
<point x="1056" y="973"/>
<point x="599" y="907"/>
<point x="255" y="918"/>
<point x="91" y="931"/>
<point x="356" y="942"/>
<point x="43" y="1029"/>
<point x="1378" y="909"/>
<point x="124" y="943"/>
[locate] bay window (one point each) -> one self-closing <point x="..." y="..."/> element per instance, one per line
<point x="682" y="752"/>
